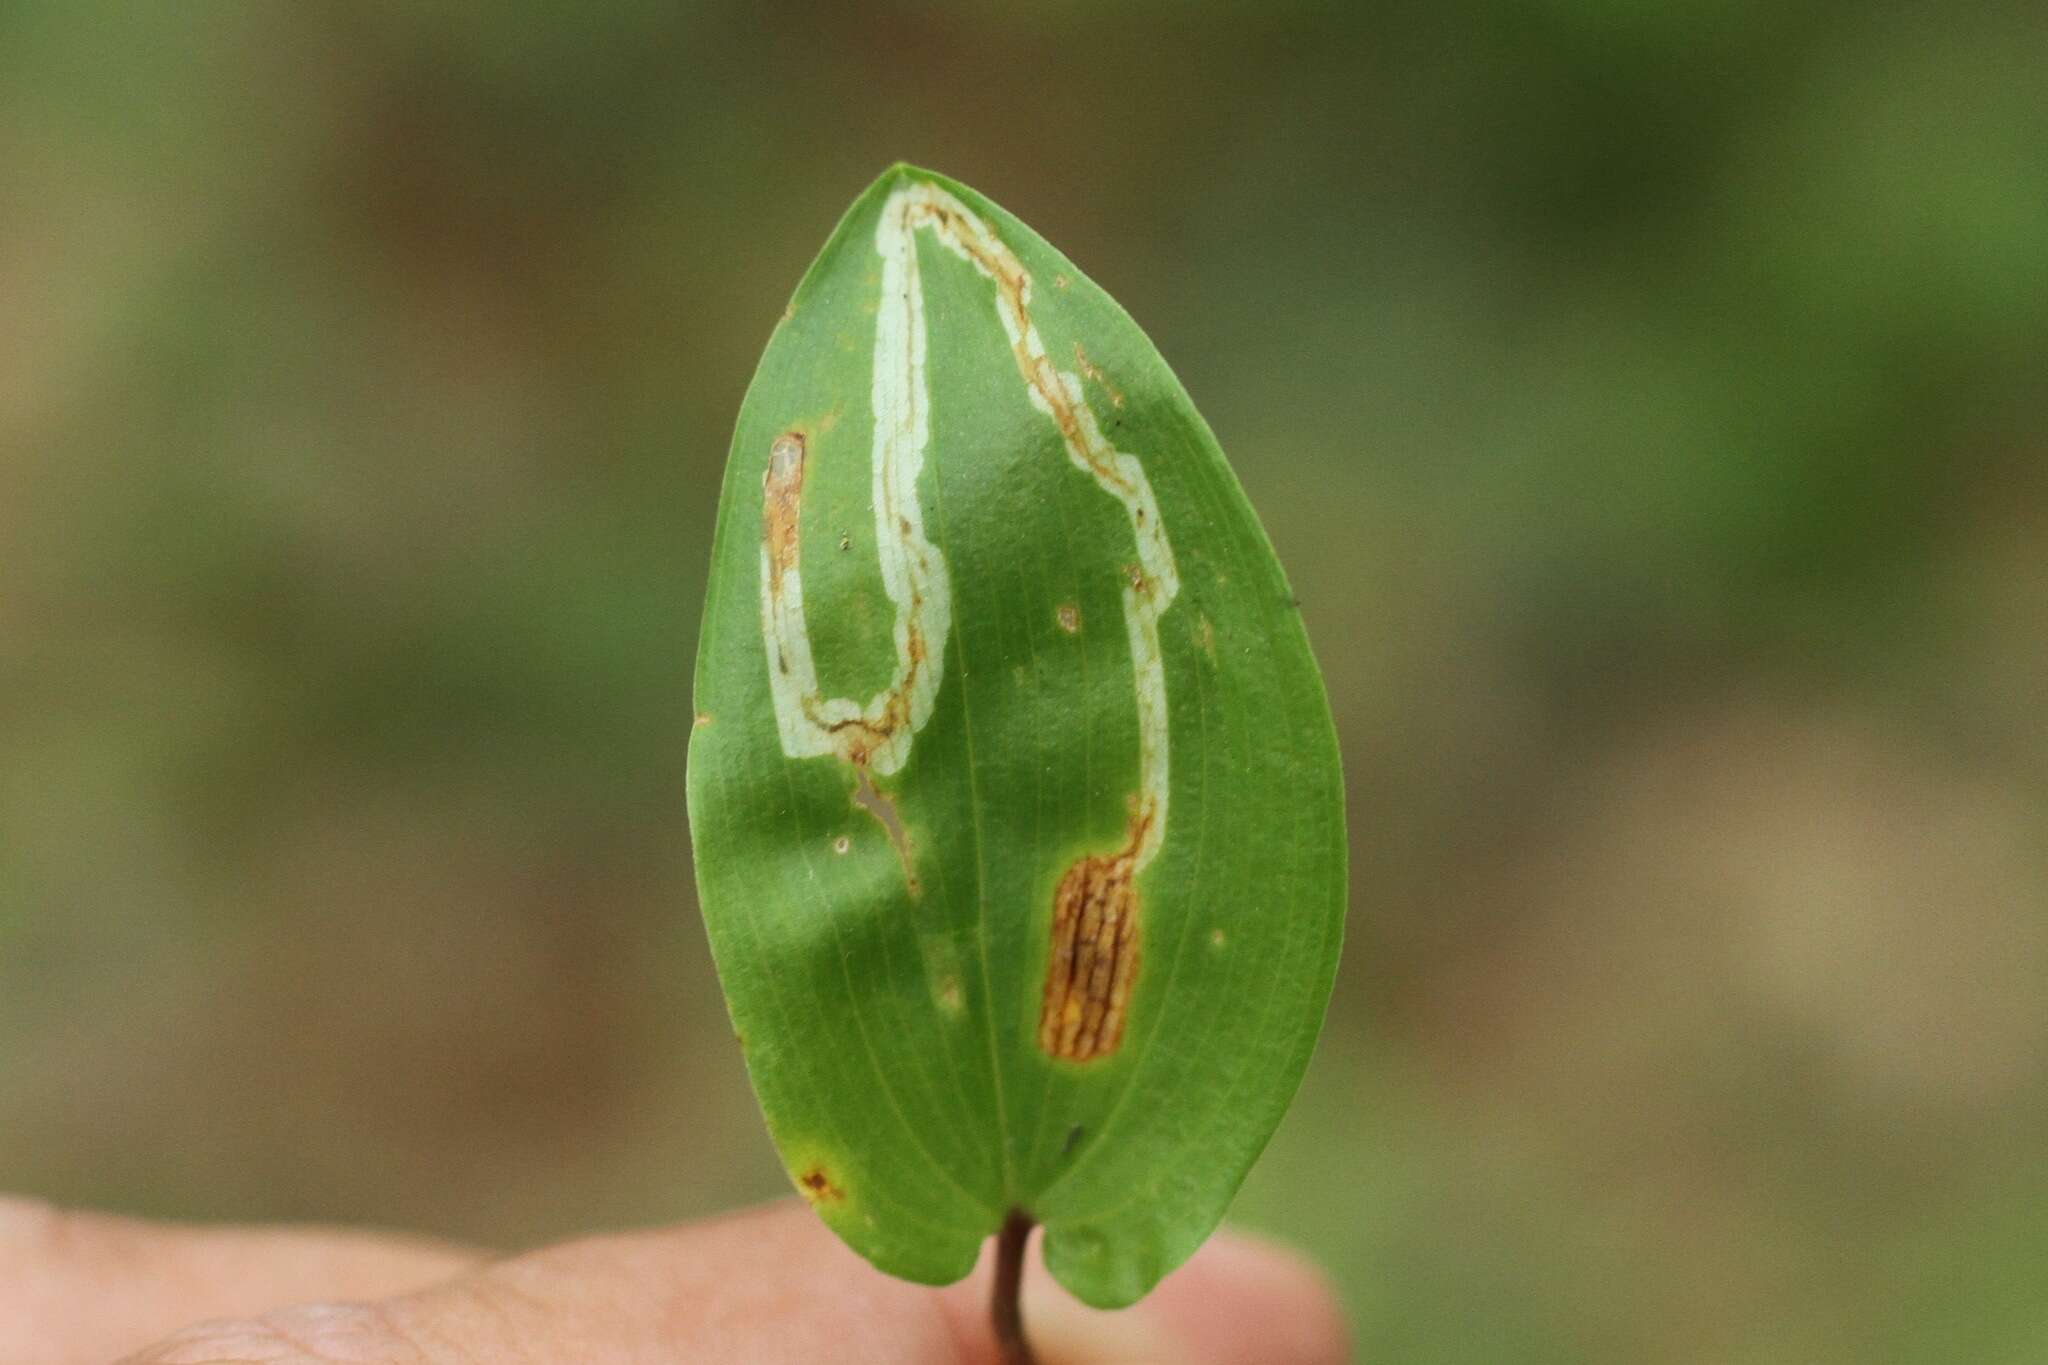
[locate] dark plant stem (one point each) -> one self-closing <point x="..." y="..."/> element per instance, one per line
<point x="1005" y="1308"/>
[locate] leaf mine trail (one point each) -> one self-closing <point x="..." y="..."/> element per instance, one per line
<point x="1094" y="957"/>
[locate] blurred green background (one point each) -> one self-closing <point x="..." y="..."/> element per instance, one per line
<point x="1647" y="401"/>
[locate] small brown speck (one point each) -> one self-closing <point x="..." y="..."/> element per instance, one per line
<point x="841" y="844"/>
<point x="1069" y="617"/>
<point x="818" y="1187"/>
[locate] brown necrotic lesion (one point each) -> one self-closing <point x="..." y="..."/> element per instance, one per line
<point x="1094" y="959"/>
<point x="782" y="490"/>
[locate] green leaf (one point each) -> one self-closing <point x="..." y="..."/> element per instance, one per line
<point x="1018" y="819"/>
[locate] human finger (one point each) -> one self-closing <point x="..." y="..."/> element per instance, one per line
<point x="79" y="1288"/>
<point x="769" y="1287"/>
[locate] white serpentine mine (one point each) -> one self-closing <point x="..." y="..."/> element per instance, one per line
<point x="879" y="734"/>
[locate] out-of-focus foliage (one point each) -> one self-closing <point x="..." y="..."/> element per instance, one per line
<point x="1676" y="552"/>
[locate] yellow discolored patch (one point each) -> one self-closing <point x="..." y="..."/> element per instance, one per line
<point x="1094" y="372"/>
<point x="942" y="973"/>
<point x="1069" y="617"/>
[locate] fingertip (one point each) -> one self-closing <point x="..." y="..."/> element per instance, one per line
<point x="1247" y="1301"/>
<point x="766" y="1284"/>
<point x="78" y="1285"/>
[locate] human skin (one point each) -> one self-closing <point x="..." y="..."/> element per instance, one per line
<point x="761" y="1287"/>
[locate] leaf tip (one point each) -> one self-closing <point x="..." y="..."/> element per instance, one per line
<point x="899" y="173"/>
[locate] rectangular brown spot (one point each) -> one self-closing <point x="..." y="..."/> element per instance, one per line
<point x="1094" y="960"/>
